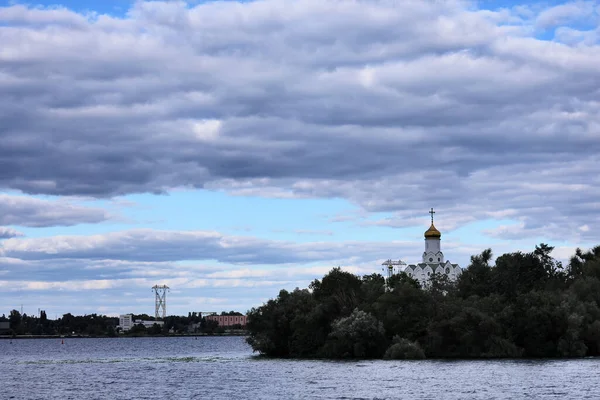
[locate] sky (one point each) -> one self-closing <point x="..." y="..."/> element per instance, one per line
<point x="232" y="149"/>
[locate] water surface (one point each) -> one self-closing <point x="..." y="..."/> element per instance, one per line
<point x="224" y="368"/>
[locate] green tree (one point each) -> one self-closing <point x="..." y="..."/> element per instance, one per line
<point x="402" y="278"/>
<point x="339" y="292"/>
<point x="14" y="318"/>
<point x="359" y="335"/>
<point x="404" y="349"/>
<point x="517" y="273"/>
<point x="525" y="305"/>
<point x="373" y="286"/>
<point x="110" y="331"/>
<point x="476" y="279"/>
<point x="272" y="326"/>
<point x="138" y="330"/>
<point x="15" y="322"/>
<point x="404" y="311"/>
<point x="577" y="264"/>
<point x="155" y="329"/>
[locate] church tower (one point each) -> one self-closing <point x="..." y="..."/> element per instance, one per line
<point x="433" y="252"/>
<point x="433" y="261"/>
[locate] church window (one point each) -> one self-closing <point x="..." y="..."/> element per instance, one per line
<point x="439" y="259"/>
<point x="447" y="270"/>
<point x="429" y="273"/>
<point x="430" y="259"/>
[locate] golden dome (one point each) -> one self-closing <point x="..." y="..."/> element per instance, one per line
<point x="432" y="232"/>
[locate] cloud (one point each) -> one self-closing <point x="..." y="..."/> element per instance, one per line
<point x="230" y="280"/>
<point x="121" y="267"/>
<point x="228" y="273"/>
<point x="566" y="13"/>
<point x="32" y="212"/>
<point x="7" y="233"/>
<point x="576" y="36"/>
<point x="312" y="232"/>
<point x="148" y="245"/>
<point x="396" y="109"/>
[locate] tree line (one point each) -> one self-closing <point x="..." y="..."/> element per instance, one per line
<point x="525" y="305"/>
<point x="102" y="325"/>
<point x="68" y="324"/>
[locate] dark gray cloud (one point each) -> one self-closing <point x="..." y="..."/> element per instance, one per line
<point x="394" y="108"/>
<point x="32" y="212"/>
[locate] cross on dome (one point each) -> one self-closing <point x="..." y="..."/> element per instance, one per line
<point x="432" y="232"/>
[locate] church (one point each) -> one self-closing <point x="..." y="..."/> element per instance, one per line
<point x="433" y="260"/>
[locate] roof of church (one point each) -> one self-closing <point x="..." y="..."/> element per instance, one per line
<point x="433" y="266"/>
<point x="432" y="232"/>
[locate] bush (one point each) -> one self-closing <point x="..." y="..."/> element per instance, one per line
<point x="358" y="336"/>
<point x="502" y="348"/>
<point x="404" y="349"/>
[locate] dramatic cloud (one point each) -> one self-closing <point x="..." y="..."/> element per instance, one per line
<point x="65" y="265"/>
<point x="146" y="245"/>
<point x="396" y="106"/>
<point x="391" y="105"/>
<point x="31" y="212"/>
<point x="116" y="269"/>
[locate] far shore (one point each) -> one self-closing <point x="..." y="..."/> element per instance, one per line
<point x="3" y="337"/>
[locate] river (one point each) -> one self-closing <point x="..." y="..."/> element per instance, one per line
<point x="225" y="368"/>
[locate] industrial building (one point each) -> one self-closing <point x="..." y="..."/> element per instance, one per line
<point x="126" y="322"/>
<point x="228" y="320"/>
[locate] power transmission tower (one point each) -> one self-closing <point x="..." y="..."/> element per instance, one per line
<point x="160" y="301"/>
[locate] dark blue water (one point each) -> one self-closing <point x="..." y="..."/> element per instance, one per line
<point x="224" y="368"/>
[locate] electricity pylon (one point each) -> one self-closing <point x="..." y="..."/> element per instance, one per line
<point x="161" y="301"/>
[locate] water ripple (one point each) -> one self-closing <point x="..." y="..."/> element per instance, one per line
<point x="224" y="368"/>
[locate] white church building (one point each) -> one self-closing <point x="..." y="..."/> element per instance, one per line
<point x="432" y="262"/>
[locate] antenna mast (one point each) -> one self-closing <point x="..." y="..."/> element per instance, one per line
<point x="160" y="301"/>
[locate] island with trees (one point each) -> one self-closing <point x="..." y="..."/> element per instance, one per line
<point x="525" y="305"/>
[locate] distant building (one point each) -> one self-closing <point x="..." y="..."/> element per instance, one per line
<point x="126" y="322"/>
<point x="148" y="324"/>
<point x="228" y="320"/>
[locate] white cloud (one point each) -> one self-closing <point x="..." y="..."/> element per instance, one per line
<point x="206" y="129"/>
<point x="565" y="13"/>
<point x="584" y="228"/>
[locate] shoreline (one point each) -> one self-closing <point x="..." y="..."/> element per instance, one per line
<point x="18" y="337"/>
